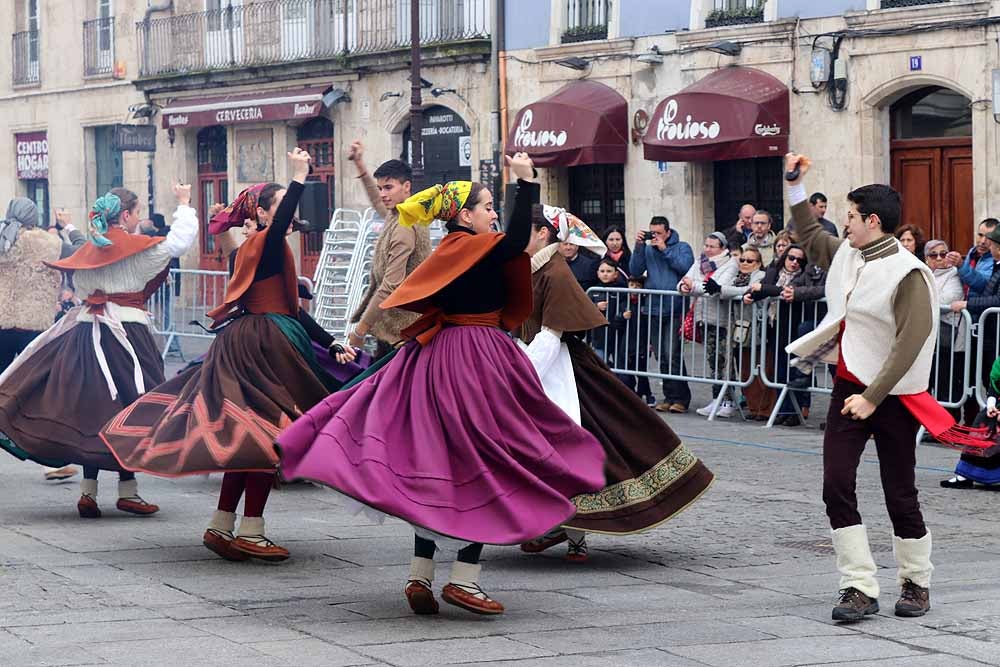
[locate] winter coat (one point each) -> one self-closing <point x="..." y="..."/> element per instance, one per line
<point x="663" y="269"/>
<point x="706" y="307"/>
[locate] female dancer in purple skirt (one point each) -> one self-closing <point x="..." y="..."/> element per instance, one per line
<point x="455" y="435"/>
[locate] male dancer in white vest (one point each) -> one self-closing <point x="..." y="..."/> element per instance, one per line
<point x="880" y="331"/>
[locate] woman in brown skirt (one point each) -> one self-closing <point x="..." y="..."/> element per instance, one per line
<point x="99" y="357"/>
<point x="259" y="375"/>
<point x="650" y="475"/>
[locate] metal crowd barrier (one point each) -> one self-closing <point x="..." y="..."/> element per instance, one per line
<point x="185" y="297"/>
<point x="735" y="344"/>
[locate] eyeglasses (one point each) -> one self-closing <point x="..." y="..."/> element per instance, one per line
<point x="795" y="258"/>
<point x="748" y="260"/>
<point x="937" y="255"/>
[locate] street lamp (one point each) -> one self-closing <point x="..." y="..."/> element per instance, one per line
<point x="416" y="111"/>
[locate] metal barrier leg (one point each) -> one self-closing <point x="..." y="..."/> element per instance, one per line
<point x="718" y="401"/>
<point x="777" y="407"/>
<point x="920" y="434"/>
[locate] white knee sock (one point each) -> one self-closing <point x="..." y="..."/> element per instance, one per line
<point x="854" y="559"/>
<point x="88" y="487"/>
<point x="422" y="570"/>
<point x="223" y="521"/>
<point x="251" y="526"/>
<point x="913" y="560"/>
<point x="128" y="488"/>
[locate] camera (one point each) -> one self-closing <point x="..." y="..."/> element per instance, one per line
<point x="647" y="235"/>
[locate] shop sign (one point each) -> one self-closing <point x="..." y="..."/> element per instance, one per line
<point x="32" y="155"/>
<point x="668" y="128"/>
<point x="526" y="137"/>
<point x="134" y="138"/>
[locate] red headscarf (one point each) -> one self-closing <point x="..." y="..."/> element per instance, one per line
<point x="234" y="215"/>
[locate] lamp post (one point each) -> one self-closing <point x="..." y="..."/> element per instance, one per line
<point x="416" y="112"/>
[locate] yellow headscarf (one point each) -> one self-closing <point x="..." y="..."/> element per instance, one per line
<point x="438" y="202"/>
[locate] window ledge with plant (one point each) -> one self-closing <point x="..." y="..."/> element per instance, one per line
<point x="585" y="33"/>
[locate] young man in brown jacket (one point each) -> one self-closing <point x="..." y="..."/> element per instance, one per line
<point x="880" y="330"/>
<point x="398" y="251"/>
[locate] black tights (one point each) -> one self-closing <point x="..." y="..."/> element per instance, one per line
<point x="424" y="548"/>
<point x="90" y="472"/>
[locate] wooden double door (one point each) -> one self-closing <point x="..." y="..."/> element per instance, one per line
<point x="934" y="177"/>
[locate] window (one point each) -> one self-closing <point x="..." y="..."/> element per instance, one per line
<point x="932" y="112"/>
<point x="33" y="32"/>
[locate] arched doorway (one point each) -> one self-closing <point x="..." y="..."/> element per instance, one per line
<point x="447" y="147"/>
<point x="213" y="187"/>
<point x="316" y="136"/>
<point x="931" y="149"/>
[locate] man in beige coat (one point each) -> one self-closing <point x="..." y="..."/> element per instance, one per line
<point x="398" y="251"/>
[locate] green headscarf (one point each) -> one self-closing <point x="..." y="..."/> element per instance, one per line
<point x="995" y="377"/>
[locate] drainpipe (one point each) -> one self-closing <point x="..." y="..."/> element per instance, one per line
<point x="500" y="93"/>
<point x="152" y="9"/>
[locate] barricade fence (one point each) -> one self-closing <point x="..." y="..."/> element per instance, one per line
<point x="734" y="343"/>
<point x="726" y="342"/>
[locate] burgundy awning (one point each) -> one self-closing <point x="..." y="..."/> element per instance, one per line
<point x="303" y="103"/>
<point x="735" y="113"/>
<point x="583" y="122"/>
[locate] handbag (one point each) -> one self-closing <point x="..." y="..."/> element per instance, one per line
<point x="689" y="331"/>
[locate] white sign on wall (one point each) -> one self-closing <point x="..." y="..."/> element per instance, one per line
<point x="465" y="151"/>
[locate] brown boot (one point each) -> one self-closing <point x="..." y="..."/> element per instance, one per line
<point x="853" y="606"/>
<point x="913" y="600"/>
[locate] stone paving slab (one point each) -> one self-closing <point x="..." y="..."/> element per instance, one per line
<point x="744" y="577"/>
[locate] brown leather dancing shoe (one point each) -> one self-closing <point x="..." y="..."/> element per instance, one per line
<point x="136" y="505"/>
<point x="853" y="606"/>
<point x="87" y="507"/>
<point x="471" y="598"/>
<point x="421" y="598"/>
<point x="546" y="541"/>
<point x="913" y="600"/>
<point x="261" y="548"/>
<point x="221" y="543"/>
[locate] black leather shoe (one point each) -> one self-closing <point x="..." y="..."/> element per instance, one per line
<point x="955" y="483"/>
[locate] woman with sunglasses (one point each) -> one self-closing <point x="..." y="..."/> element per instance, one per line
<point x="948" y="375"/>
<point x="791" y="282"/>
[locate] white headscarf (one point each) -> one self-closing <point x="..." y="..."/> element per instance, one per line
<point x="571" y="229"/>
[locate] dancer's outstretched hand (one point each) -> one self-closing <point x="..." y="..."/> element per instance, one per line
<point x="343" y="354"/>
<point x="793" y="160"/>
<point x="521" y="165"/>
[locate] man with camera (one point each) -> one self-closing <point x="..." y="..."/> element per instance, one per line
<point x="660" y="253"/>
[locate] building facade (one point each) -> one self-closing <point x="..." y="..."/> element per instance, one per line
<point x="231" y="86"/>
<point x="715" y="91"/>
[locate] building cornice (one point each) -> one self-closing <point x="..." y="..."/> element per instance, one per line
<point x="901" y="17"/>
<point x="595" y="48"/>
<point x="750" y="32"/>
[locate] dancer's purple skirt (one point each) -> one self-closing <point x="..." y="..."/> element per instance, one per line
<point x="341" y="372"/>
<point x="457" y="437"/>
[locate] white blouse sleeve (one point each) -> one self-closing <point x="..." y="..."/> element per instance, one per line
<point x="544" y="350"/>
<point x="183" y="232"/>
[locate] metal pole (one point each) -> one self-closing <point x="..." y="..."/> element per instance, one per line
<point x="416" y="110"/>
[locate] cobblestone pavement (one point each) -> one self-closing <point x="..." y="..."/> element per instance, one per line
<point x="744" y="577"/>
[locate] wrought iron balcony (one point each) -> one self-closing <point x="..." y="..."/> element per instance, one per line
<point x="586" y="20"/>
<point x="735" y="12"/>
<point x="99" y="46"/>
<point x="890" y="4"/>
<point x="26" y="52"/>
<point x="283" y="31"/>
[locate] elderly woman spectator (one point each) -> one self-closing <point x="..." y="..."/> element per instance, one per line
<point x="707" y="320"/>
<point x="792" y="283"/>
<point x="913" y="239"/>
<point x="947" y="376"/>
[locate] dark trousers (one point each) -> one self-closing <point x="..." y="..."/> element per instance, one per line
<point x="90" y="472"/>
<point x="895" y="432"/>
<point x="424" y="548"/>
<point x="669" y="350"/>
<point x="12" y="343"/>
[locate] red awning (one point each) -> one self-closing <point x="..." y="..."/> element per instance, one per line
<point x="303" y="103"/>
<point x="735" y="113"/>
<point x="583" y="122"/>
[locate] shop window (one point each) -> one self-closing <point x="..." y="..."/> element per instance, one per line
<point x="932" y="112"/>
<point x="316" y="137"/>
<point x="597" y="195"/>
<point x="109" y="160"/>
<point x="447" y="145"/>
<point x="213" y="187"/>
<point x="756" y="181"/>
<point x="38" y="192"/>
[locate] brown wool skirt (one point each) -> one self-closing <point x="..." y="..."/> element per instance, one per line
<point x="53" y="407"/>
<point x="223" y="415"/>
<point x="651" y="475"/>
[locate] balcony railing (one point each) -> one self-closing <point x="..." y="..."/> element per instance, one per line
<point x="735" y="12"/>
<point x="889" y="4"/>
<point x="26" y="51"/>
<point x="99" y="46"/>
<point x="279" y="31"/>
<point x="586" y="20"/>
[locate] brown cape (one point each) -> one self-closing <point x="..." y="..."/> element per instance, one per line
<point x="247" y="259"/>
<point x="91" y="256"/>
<point x="456" y="254"/>
<point x="560" y="302"/>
